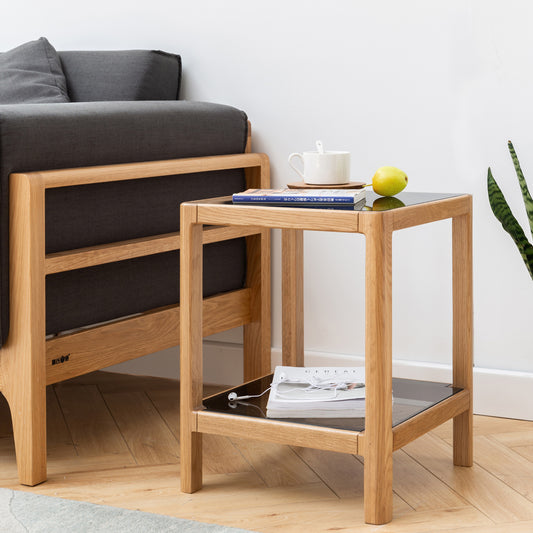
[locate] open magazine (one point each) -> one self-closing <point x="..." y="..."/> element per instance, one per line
<point x="317" y="392"/>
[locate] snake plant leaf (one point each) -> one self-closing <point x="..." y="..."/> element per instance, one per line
<point x="503" y="213"/>
<point x="528" y="202"/>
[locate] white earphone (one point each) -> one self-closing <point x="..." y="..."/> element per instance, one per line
<point x="232" y="396"/>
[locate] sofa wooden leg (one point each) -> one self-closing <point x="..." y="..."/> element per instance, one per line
<point x="24" y="375"/>
<point x="23" y="356"/>
<point x="28" y="412"/>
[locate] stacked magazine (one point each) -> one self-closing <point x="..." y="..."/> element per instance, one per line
<point x="317" y="392"/>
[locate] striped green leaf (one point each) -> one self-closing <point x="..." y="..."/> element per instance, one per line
<point x="503" y="213"/>
<point x="528" y="202"/>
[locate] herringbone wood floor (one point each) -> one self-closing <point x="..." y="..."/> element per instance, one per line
<point x="112" y="439"/>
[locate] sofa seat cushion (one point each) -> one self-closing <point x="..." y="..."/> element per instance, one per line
<point x="32" y="74"/>
<point x="121" y="75"/>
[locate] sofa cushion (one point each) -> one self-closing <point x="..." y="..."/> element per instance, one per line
<point x="121" y="75"/>
<point x="32" y="73"/>
<point x="96" y="294"/>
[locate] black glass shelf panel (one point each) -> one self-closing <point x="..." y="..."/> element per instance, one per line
<point x="374" y="202"/>
<point x="411" y="397"/>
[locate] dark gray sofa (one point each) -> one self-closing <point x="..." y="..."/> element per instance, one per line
<point x="93" y="132"/>
<point x="96" y="155"/>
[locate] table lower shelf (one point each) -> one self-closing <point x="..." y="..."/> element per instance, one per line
<point x="418" y="407"/>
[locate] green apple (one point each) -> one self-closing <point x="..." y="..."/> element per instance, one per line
<point x="388" y="181"/>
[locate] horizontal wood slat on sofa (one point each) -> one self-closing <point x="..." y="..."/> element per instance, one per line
<point x="119" y="251"/>
<point x="155" y="330"/>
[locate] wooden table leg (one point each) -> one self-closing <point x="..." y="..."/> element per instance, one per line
<point x="190" y="348"/>
<point x="462" y="335"/>
<point x="292" y="273"/>
<point x="257" y="339"/>
<point x="378" y="368"/>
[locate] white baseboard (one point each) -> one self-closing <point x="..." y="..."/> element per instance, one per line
<point x="502" y="393"/>
<point x="222" y="364"/>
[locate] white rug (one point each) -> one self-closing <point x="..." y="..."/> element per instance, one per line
<point x="22" y="512"/>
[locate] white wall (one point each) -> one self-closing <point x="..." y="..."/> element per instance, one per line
<point x="435" y="88"/>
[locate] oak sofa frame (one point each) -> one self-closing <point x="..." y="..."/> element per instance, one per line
<point x="29" y="361"/>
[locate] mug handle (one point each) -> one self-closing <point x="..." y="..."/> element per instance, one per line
<point x="296" y="154"/>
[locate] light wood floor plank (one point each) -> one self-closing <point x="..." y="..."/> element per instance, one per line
<point x="513" y="469"/>
<point x="314" y="515"/>
<point x="167" y="404"/>
<point x="278" y="465"/>
<point x="341" y="472"/>
<point x="515" y="438"/>
<point x="120" y="487"/>
<point x="222" y="457"/>
<point x="57" y="432"/>
<point x="345" y="516"/>
<point x="67" y="466"/>
<point x="524" y="451"/>
<point x="479" y="487"/>
<point x="517" y="527"/>
<point x="420" y="488"/>
<point x="488" y="425"/>
<point x="8" y="467"/>
<point x="224" y="491"/>
<point x="147" y="435"/>
<point x="91" y="425"/>
<point x="166" y="400"/>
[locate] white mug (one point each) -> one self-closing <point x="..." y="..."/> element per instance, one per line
<point x="323" y="168"/>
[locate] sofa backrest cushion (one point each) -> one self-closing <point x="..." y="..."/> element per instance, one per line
<point x="31" y="74"/>
<point x="96" y="76"/>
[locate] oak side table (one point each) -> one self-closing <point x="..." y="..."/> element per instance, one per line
<point x="387" y="426"/>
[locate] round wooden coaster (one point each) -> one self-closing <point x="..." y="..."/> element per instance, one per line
<point x="349" y="185"/>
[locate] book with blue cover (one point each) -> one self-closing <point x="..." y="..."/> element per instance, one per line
<point x="301" y="197"/>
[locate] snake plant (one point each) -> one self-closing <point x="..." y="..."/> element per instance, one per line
<point x="503" y="212"/>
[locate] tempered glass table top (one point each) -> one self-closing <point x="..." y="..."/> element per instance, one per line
<point x="410" y="397"/>
<point x="373" y="202"/>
